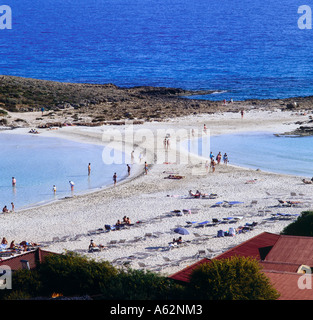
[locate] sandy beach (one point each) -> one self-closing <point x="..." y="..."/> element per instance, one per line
<point x="149" y="200"/>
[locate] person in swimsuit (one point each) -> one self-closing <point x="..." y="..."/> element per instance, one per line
<point x="219" y="158"/>
<point x="114" y="178"/>
<point x="13" y="182"/>
<point x="89" y="169"/>
<point x="225" y="158"/>
<point x="72" y="185"/>
<point x="213" y="165"/>
<point x="146" y="168"/>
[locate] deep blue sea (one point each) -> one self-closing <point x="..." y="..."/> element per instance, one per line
<point x="250" y="49"/>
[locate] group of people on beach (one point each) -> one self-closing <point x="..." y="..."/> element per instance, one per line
<point x="175" y="242"/>
<point x="22" y="246"/>
<point x="125" y="221"/>
<point x="6" y="210"/>
<point x="218" y="159"/>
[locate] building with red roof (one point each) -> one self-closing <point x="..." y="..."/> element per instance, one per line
<point x="284" y="260"/>
<point x="27" y="260"/>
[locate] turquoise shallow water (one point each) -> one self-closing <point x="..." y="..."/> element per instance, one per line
<point x="38" y="163"/>
<point x="262" y="150"/>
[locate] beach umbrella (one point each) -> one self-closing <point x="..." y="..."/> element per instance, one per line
<point x="181" y="231"/>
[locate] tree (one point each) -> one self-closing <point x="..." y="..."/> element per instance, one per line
<point x="236" y="278"/>
<point x="303" y="226"/>
<point x="71" y="274"/>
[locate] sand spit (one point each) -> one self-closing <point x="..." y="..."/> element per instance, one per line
<point x="153" y="202"/>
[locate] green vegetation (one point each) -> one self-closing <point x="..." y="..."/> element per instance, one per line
<point x="303" y="226"/>
<point x="73" y="275"/>
<point x="237" y="278"/>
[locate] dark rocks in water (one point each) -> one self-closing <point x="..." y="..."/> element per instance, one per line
<point x="302" y="131"/>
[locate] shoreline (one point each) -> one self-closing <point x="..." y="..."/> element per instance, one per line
<point x="149" y="200"/>
<point x="134" y="174"/>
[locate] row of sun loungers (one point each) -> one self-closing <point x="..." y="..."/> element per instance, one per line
<point x="226" y="204"/>
<point x="284" y="216"/>
<point x="214" y="222"/>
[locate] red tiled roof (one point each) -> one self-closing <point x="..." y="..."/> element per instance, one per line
<point x="32" y="257"/>
<point x="292" y="249"/>
<point x="184" y="275"/>
<point x="250" y="248"/>
<point x="247" y="248"/>
<point x="287" y="285"/>
<point x="279" y="266"/>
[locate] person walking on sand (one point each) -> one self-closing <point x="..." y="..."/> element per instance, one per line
<point x="89" y="169"/>
<point x="128" y="169"/>
<point x="242" y="112"/>
<point x="13" y="182"/>
<point x="146" y="168"/>
<point x="12" y="204"/>
<point x="204" y="128"/>
<point x="114" y="178"/>
<point x="213" y="165"/>
<point x="219" y="158"/>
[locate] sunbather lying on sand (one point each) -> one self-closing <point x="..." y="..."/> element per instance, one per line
<point x="198" y="194"/>
<point x="307" y="181"/>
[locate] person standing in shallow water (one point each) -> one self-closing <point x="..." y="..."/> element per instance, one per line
<point x="128" y="169"/>
<point x="225" y="158"/>
<point x="114" y="178"/>
<point x="13" y="182"/>
<point x="89" y="169"/>
<point x="218" y="158"/>
<point x="72" y="185"/>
